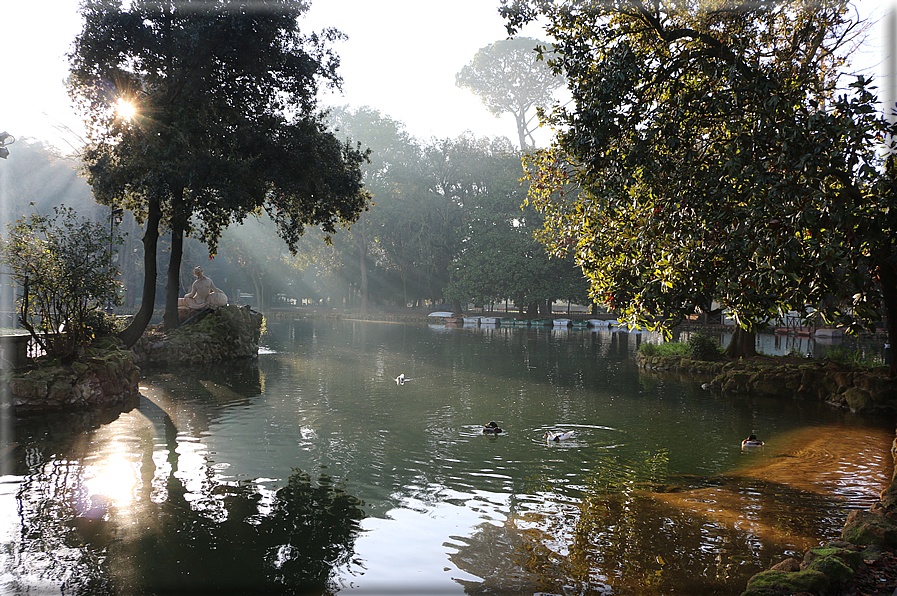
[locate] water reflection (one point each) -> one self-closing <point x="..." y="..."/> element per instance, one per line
<point x="134" y="506"/>
<point x="199" y="488"/>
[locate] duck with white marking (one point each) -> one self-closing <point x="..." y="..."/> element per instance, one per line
<point x="400" y="380"/>
<point x="492" y="428"/>
<point x="751" y="441"/>
<point x="559" y="436"/>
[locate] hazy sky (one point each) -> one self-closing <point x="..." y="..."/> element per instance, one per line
<point x="401" y="58"/>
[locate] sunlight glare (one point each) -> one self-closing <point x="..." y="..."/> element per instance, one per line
<point x="125" y="109"/>
<point x="115" y="479"/>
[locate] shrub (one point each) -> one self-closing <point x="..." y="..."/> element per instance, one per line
<point x="101" y="323"/>
<point x="664" y="350"/>
<point x="702" y="347"/>
<point x="847" y="356"/>
<point x="63" y="265"/>
<point x="647" y="349"/>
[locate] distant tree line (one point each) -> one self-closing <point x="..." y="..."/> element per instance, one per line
<point x="446" y="225"/>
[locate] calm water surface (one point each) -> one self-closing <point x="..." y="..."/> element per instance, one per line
<point x="313" y="471"/>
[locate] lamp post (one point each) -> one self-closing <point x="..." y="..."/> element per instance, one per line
<point x="5" y="139"/>
<point x="114" y="218"/>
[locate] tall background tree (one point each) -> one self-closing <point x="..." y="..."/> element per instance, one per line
<point x="221" y="123"/>
<point x="498" y="256"/>
<point x="510" y="77"/>
<point x="715" y="154"/>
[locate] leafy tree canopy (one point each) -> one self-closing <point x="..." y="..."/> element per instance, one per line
<point x="224" y="95"/>
<point x="710" y="157"/>
<point x="509" y="76"/>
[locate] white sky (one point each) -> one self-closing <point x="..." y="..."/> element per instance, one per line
<point x="401" y="58"/>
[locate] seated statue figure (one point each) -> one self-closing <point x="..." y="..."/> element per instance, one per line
<point x="202" y="295"/>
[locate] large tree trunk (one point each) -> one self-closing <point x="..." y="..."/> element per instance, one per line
<point x="173" y="288"/>
<point x="888" y="278"/>
<point x="532" y="310"/>
<point x="743" y="344"/>
<point x="134" y="331"/>
<point x="362" y="264"/>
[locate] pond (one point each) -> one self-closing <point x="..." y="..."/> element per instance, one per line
<point x="313" y="470"/>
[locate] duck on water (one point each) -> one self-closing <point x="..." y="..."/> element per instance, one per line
<point x="751" y="441"/>
<point x="559" y="436"/>
<point x="491" y="428"/>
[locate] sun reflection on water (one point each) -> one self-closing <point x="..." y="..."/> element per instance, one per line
<point x="115" y="478"/>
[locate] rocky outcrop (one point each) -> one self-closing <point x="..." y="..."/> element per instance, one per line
<point x="855" y="389"/>
<point x="821" y="567"/>
<point x="227" y="333"/>
<point x="106" y="376"/>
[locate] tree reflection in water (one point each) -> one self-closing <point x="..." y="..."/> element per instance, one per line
<point x="217" y="537"/>
<point x="290" y="546"/>
<point x="640" y="530"/>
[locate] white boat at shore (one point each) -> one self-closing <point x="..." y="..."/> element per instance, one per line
<point x="601" y="323"/>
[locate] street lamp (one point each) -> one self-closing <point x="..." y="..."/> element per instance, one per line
<point x="5" y="139"/>
<point x="114" y="218"/>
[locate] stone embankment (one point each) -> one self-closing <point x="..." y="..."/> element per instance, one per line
<point x="106" y="376"/>
<point x="867" y="536"/>
<point x="227" y="333"/>
<point x="854" y="388"/>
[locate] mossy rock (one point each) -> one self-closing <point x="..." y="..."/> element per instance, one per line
<point x="741" y="378"/>
<point x="836" y="562"/>
<point x="868" y="528"/>
<point x="785" y="583"/>
<point x="731" y="386"/>
<point x="769" y="386"/>
<point x="79" y="368"/>
<point x="829" y="384"/>
<point x="858" y="400"/>
<point x="885" y="396"/>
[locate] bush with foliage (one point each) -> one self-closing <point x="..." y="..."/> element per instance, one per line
<point x="702" y="347"/>
<point x="63" y="265"/>
<point x="851" y="357"/>
<point x="664" y="350"/>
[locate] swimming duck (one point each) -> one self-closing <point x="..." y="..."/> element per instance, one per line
<point x="751" y="441"/>
<point x="558" y="436"/>
<point x="492" y="428"/>
<point x="400" y="380"/>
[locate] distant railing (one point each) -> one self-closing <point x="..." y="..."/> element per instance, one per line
<point x="15" y="348"/>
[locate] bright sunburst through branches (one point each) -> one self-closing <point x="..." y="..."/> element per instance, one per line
<point x="125" y="109"/>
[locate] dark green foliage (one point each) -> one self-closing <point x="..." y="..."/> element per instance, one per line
<point x="101" y="323"/>
<point x="225" y="124"/>
<point x="62" y="265"/>
<point x="712" y="158"/>
<point x="702" y="347"/>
